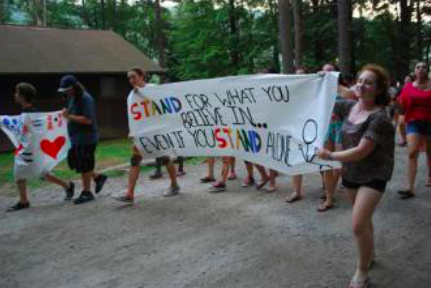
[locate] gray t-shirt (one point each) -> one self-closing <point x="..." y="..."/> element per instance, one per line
<point x="379" y="164"/>
<point x="80" y="134"/>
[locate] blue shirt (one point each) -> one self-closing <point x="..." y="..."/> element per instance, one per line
<point x="81" y="134"/>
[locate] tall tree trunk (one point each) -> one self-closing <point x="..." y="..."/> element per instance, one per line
<point x="2" y="11"/>
<point x="276" y="50"/>
<point x="285" y="19"/>
<point x="36" y="12"/>
<point x="43" y="12"/>
<point x="299" y="31"/>
<point x="234" y="33"/>
<point x="102" y="13"/>
<point x="404" y="37"/>
<point x="419" y="35"/>
<point x="161" y="43"/>
<point x="317" y="47"/>
<point x="345" y="35"/>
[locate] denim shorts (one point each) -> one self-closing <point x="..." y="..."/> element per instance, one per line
<point x="419" y="127"/>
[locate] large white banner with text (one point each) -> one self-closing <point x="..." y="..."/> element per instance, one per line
<point x="277" y="121"/>
<point x="40" y="139"/>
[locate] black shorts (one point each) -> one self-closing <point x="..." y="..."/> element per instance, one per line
<point x="378" y="185"/>
<point x="81" y="158"/>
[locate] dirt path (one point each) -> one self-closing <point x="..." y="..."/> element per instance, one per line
<point x="241" y="238"/>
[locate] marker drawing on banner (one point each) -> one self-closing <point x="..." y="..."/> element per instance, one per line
<point x="277" y="121"/>
<point x="40" y="139"/>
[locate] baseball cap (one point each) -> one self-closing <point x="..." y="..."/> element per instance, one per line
<point x="67" y="82"/>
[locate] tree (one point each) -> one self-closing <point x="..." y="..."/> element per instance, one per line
<point x="3" y="8"/>
<point x="345" y="36"/>
<point x="299" y="31"/>
<point x="285" y="28"/>
<point x="161" y="43"/>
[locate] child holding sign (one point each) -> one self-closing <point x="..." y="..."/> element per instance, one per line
<point x="24" y="95"/>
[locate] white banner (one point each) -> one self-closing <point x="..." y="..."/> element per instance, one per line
<point x="40" y="139"/>
<point x="277" y="121"/>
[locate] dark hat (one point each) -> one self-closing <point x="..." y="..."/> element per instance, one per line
<point x="67" y="82"/>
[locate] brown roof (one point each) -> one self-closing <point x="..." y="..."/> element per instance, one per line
<point x="29" y="49"/>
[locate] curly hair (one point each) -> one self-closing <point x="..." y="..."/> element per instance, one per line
<point x="382" y="97"/>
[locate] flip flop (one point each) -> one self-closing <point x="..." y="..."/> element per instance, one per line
<point x="293" y="198"/>
<point x="324" y="207"/>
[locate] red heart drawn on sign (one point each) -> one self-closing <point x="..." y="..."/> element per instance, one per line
<point x="20" y="147"/>
<point x="52" y="148"/>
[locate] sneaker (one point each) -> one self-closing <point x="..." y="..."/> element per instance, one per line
<point x="207" y="179"/>
<point x="70" y="192"/>
<point x="172" y="191"/>
<point x="156" y="176"/>
<point x="124" y="199"/>
<point x="18" y="206"/>
<point x="86" y="196"/>
<point x="217" y="187"/>
<point x="100" y="181"/>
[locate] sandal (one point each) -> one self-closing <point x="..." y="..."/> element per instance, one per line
<point x="324" y="207"/>
<point x="262" y="183"/>
<point x="406" y="194"/>
<point x="293" y="198"/>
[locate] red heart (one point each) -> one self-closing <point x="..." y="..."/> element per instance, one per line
<point x="20" y="147"/>
<point x="52" y="148"/>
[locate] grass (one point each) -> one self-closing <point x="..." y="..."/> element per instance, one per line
<point x="109" y="154"/>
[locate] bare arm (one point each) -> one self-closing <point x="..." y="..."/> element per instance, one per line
<point x="365" y="147"/>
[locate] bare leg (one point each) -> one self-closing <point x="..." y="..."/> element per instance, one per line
<point x="414" y="143"/>
<point x="227" y="163"/>
<point x="86" y="181"/>
<point x="297" y="184"/>
<point x="365" y="203"/>
<point x="262" y="171"/>
<point x="172" y="171"/>
<point x="133" y="179"/>
<point x="272" y="179"/>
<point x="22" y="188"/>
<point x="60" y="182"/>
<point x="402" y="129"/>
<point x="249" y="168"/>
<point x="297" y="189"/>
<point x="210" y="167"/>
<point x="232" y="174"/>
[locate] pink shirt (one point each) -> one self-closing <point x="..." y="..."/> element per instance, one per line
<point x="416" y="103"/>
